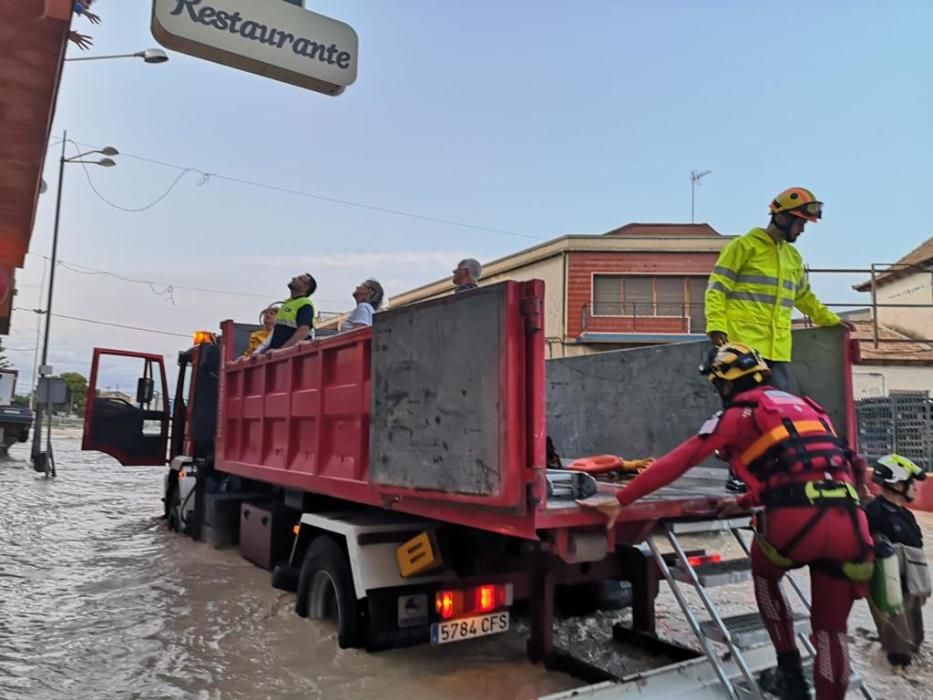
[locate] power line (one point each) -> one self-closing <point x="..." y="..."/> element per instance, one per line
<point x="106" y="323"/>
<point x="206" y="176"/>
<point x="131" y="210"/>
<point x="169" y="286"/>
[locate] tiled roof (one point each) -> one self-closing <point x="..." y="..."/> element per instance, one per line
<point x="673" y="230"/>
<point x="920" y="255"/>
<point x="903" y="351"/>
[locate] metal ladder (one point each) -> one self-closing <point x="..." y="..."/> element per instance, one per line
<point x="713" y="675"/>
<point x="744" y="635"/>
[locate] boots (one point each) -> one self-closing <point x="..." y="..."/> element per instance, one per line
<point x="734" y="484"/>
<point x="787" y="681"/>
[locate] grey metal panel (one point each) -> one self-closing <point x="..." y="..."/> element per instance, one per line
<point x="645" y="401"/>
<point x="436" y="394"/>
<point x="818" y="371"/>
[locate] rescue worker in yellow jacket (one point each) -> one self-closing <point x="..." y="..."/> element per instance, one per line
<point x="757" y="282"/>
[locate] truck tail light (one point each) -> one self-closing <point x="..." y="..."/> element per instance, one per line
<point x="486" y="598"/>
<point x="449" y="604"/>
<point x="704" y="559"/>
<point x="444" y="604"/>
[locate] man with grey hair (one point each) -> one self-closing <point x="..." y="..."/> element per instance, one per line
<point x="467" y="274"/>
<point x="368" y="296"/>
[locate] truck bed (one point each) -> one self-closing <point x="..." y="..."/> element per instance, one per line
<point x="442" y="408"/>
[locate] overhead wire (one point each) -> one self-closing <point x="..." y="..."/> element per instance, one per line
<point x="207" y="176"/>
<point x="131" y="210"/>
<point x="82" y="269"/>
<point x="106" y="323"/>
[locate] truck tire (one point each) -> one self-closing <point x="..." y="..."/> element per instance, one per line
<point x="587" y="598"/>
<point x="579" y="599"/>
<point x="325" y="591"/>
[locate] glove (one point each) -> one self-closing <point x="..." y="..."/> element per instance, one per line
<point x="636" y="465"/>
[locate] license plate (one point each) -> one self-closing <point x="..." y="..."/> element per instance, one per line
<point x="469" y="627"/>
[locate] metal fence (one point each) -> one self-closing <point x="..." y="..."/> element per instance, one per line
<point x="901" y="422"/>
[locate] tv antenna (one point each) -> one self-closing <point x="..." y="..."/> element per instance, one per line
<point x="695" y="177"/>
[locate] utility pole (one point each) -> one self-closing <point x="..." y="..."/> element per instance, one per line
<point x="695" y="177"/>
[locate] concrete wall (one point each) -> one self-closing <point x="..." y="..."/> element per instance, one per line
<point x="551" y="271"/>
<point x="913" y="289"/>
<point x="644" y="401"/>
<point x="878" y="380"/>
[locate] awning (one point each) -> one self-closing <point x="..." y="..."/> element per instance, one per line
<point x="33" y="35"/>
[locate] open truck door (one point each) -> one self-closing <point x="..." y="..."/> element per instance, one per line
<point x="132" y="427"/>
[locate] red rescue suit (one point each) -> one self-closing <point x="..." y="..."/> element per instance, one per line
<point x="785" y="448"/>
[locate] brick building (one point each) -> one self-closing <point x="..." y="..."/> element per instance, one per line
<point x="636" y="285"/>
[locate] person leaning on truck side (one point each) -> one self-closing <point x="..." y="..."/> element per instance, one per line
<point x="258" y="337"/>
<point x="757" y="281"/>
<point x="294" y="321"/>
<point x="809" y="482"/>
<point x="467" y="274"/>
<point x="368" y="296"/>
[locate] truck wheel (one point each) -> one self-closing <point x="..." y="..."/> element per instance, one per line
<point x="586" y="598"/>
<point x="325" y="591"/>
<point x="579" y="599"/>
<point x="171" y="503"/>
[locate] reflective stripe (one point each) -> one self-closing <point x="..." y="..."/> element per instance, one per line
<point x="725" y="272"/>
<point x="758" y="279"/>
<point x="718" y="287"/>
<point x="779" y="434"/>
<point x="790" y="284"/>
<point x="754" y="296"/>
<point x="787" y="302"/>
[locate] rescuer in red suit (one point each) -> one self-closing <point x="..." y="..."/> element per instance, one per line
<point x="808" y="481"/>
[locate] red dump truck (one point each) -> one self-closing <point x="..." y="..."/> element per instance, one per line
<point x="395" y="476"/>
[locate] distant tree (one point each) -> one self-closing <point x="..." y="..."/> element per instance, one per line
<point x="4" y="362"/>
<point x="77" y="388"/>
<point x="21" y="400"/>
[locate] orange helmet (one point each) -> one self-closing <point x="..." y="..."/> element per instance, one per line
<point x="799" y="202"/>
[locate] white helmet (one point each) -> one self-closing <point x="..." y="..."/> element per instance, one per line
<point x="893" y="469"/>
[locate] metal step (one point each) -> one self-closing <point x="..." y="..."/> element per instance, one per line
<point x="731" y="571"/>
<point x="747" y="630"/>
<point x="767" y="683"/>
<point x="689" y="527"/>
<point x="694" y="679"/>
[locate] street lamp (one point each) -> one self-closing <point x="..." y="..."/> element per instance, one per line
<point x="148" y="56"/>
<point x="44" y="461"/>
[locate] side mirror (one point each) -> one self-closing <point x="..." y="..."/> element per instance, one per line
<point x="144" y="390"/>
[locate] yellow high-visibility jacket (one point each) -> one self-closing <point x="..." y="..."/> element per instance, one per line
<point x="256" y="339"/>
<point x="753" y="290"/>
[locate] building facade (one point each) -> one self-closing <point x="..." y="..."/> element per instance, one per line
<point x="639" y="284"/>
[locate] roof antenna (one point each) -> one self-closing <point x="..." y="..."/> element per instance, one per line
<point x="695" y="177"/>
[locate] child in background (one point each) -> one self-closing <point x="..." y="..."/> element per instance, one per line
<point x="256" y="338"/>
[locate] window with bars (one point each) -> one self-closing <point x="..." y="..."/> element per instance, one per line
<point x="641" y="295"/>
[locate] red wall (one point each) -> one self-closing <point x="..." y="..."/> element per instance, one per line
<point x="582" y="266"/>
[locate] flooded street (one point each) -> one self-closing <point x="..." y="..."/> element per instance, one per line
<point x="97" y="600"/>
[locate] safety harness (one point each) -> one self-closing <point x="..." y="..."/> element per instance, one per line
<point x="787" y="456"/>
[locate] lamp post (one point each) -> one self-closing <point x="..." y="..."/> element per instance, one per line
<point x="148" y="56"/>
<point x="44" y="461"/>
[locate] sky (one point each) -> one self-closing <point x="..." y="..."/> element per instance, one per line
<point x="535" y="118"/>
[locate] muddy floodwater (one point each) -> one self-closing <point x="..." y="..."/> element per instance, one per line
<point x="98" y="600"/>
